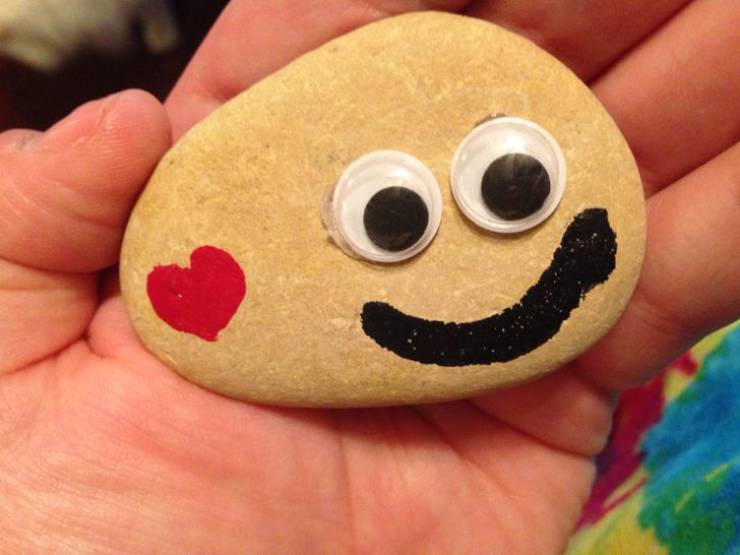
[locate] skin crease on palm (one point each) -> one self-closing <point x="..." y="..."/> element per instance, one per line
<point x="106" y="450"/>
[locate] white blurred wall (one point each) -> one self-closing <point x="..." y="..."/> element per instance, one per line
<point x="44" y="33"/>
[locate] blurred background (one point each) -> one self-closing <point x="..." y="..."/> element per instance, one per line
<point x="57" y="54"/>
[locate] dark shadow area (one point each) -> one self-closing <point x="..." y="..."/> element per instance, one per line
<point x="35" y="100"/>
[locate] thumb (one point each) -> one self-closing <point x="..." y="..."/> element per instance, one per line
<point x="64" y="198"/>
<point x="65" y="194"/>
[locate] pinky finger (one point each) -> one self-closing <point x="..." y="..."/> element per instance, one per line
<point x="690" y="283"/>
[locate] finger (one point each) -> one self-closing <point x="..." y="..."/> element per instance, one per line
<point x="111" y="334"/>
<point x="252" y="39"/>
<point x="65" y="195"/>
<point x="41" y="312"/>
<point x="676" y="96"/>
<point x="690" y="282"/>
<point x="586" y="36"/>
<point x="560" y="410"/>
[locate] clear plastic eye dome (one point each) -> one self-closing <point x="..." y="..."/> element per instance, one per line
<point x="386" y="207"/>
<point x="508" y="175"/>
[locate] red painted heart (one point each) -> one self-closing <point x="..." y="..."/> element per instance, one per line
<point x="202" y="299"/>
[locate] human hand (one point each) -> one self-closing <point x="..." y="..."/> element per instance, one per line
<point x="104" y="448"/>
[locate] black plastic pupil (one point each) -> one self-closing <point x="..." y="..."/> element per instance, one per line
<point x="515" y="186"/>
<point x="395" y="218"/>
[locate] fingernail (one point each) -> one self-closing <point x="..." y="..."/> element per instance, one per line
<point x="19" y="139"/>
<point x="80" y="125"/>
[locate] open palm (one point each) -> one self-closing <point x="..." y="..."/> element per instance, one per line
<point x="105" y="449"/>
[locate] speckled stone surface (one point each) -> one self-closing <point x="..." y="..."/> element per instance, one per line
<point x="249" y="181"/>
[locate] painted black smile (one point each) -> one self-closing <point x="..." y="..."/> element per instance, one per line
<point x="584" y="259"/>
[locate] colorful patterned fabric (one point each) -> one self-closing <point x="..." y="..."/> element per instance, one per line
<point x="669" y="480"/>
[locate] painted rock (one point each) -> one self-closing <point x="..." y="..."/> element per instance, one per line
<point x="359" y="229"/>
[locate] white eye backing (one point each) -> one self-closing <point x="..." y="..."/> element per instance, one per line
<point x="502" y="145"/>
<point x="386" y="207"/>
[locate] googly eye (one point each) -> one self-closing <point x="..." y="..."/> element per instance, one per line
<point x="508" y="175"/>
<point x="386" y="207"/>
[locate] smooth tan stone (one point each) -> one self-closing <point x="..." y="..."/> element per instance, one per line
<point x="250" y="180"/>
